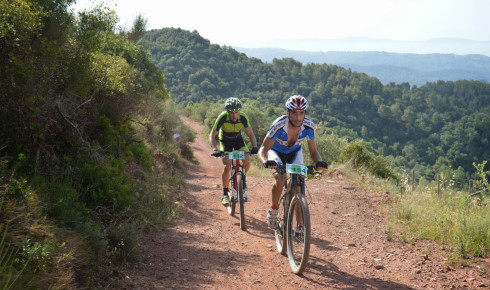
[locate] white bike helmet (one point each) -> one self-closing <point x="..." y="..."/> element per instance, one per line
<point x="297" y="102"/>
<point x="233" y="104"/>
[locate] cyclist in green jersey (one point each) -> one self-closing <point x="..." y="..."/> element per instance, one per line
<point x="228" y="126"/>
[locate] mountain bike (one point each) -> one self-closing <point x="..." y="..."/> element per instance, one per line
<point x="293" y="228"/>
<point x="238" y="183"/>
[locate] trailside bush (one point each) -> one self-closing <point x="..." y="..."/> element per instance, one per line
<point x="356" y="153"/>
<point x="62" y="202"/>
<point x="122" y="242"/>
<point x="105" y="184"/>
<point x="70" y="93"/>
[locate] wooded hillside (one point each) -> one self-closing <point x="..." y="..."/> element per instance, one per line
<point x="439" y="125"/>
<point x="83" y="111"/>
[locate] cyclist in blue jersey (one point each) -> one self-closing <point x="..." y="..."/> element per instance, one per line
<point x="282" y="145"/>
<point x="227" y="127"/>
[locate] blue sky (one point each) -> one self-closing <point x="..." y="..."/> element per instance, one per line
<point x="228" y="22"/>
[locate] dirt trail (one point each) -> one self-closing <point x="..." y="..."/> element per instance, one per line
<point x="205" y="249"/>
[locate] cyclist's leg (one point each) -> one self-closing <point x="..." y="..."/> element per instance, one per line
<point x="241" y="146"/>
<point x="225" y="176"/>
<point x="298" y="159"/>
<point x="280" y="178"/>
<point x="280" y="181"/>
<point x="226" y="147"/>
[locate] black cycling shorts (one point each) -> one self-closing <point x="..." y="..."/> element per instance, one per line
<point x="235" y="145"/>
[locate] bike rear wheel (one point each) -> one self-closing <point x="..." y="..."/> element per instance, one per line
<point x="241" y="202"/>
<point x="280" y="231"/>
<point x="298" y="233"/>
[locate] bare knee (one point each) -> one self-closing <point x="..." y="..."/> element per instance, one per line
<point x="226" y="168"/>
<point x="226" y="165"/>
<point x="246" y="163"/>
<point x="280" y="179"/>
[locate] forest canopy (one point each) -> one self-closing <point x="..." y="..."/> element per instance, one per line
<point x="438" y="124"/>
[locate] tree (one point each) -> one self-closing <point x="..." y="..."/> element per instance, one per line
<point x="394" y="115"/>
<point x="138" y="29"/>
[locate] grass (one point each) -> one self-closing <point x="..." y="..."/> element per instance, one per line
<point x="257" y="169"/>
<point x="9" y="273"/>
<point x="30" y="253"/>
<point x="452" y="218"/>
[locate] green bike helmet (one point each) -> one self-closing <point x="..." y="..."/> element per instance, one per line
<point x="233" y="104"/>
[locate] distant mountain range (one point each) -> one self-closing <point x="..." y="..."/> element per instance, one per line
<point x="437" y="45"/>
<point x="416" y="69"/>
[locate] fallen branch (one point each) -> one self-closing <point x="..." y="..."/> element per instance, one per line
<point x="73" y="125"/>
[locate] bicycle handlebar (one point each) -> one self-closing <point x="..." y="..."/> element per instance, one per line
<point x="225" y="154"/>
<point x="281" y="168"/>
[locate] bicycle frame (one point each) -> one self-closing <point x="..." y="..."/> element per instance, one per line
<point x="237" y="178"/>
<point x="236" y="167"/>
<point x="288" y="192"/>
<point x="293" y="227"/>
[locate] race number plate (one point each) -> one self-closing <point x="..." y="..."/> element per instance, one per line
<point x="237" y="155"/>
<point x="297" y="169"/>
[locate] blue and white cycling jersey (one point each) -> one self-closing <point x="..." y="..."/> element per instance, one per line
<point x="279" y="132"/>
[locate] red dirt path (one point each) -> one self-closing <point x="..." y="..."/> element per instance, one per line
<point x="205" y="248"/>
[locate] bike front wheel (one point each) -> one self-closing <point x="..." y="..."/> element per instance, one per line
<point x="298" y="233"/>
<point x="241" y="202"/>
<point x="231" y="196"/>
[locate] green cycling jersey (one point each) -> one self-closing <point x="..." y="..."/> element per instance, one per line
<point x="230" y="130"/>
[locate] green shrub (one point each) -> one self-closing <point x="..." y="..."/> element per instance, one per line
<point x="41" y="255"/>
<point x="197" y="111"/>
<point x="105" y="184"/>
<point x="482" y="183"/>
<point x="63" y="203"/>
<point x="105" y="132"/>
<point x="141" y="155"/>
<point x="122" y="242"/>
<point x="380" y="167"/>
<point x="187" y="135"/>
<point x="330" y="147"/>
<point x="357" y="153"/>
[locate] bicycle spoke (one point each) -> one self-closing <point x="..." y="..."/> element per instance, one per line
<point x="298" y="234"/>
<point x="297" y="243"/>
<point x="231" y="205"/>
<point x="280" y="231"/>
<point x="240" y="200"/>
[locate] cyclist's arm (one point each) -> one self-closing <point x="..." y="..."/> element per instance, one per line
<point x="212" y="139"/>
<point x="215" y="130"/>
<point x="264" y="149"/>
<point x="251" y="135"/>
<point x="315" y="155"/>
